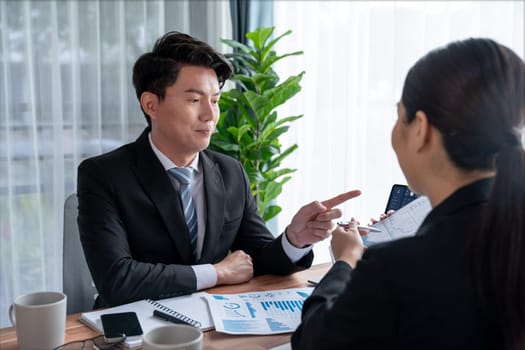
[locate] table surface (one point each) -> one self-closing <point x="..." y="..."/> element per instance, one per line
<point x="76" y="330"/>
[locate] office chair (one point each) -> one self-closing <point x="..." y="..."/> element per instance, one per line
<point x="77" y="282"/>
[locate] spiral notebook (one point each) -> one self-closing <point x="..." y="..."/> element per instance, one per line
<point x="169" y="314"/>
<point x="192" y="309"/>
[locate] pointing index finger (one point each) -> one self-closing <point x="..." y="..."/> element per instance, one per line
<point x="341" y="198"/>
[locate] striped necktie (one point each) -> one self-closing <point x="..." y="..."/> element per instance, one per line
<point x="183" y="176"/>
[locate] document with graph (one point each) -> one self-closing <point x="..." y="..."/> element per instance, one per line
<point x="265" y="312"/>
<point x="403" y="223"/>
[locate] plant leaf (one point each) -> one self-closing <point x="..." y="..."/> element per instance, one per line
<point x="288" y="119"/>
<point x="227" y="146"/>
<point x="237" y="45"/>
<point x="249" y="128"/>
<point x="271" y="211"/>
<point x="268" y="47"/>
<point x="277" y="161"/>
<point x="272" y="58"/>
<point x="259" y="36"/>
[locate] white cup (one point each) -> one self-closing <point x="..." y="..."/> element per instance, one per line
<point x="40" y="320"/>
<point x="173" y="337"/>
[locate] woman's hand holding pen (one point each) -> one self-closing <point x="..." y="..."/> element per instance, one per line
<point x="347" y="244"/>
<point x="382" y="217"/>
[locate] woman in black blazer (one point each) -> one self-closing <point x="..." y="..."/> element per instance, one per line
<point x="459" y="283"/>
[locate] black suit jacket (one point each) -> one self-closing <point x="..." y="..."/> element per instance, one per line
<point x="133" y="231"/>
<point x="413" y="293"/>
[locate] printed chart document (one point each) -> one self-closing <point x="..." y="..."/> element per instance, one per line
<point x="403" y="223"/>
<point x="265" y="312"/>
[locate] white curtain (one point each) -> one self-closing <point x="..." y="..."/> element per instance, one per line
<point x="66" y="94"/>
<point x="356" y="55"/>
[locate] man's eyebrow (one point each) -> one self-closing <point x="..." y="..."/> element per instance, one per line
<point x="200" y="92"/>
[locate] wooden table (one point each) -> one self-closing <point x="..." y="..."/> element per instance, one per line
<point x="76" y="330"/>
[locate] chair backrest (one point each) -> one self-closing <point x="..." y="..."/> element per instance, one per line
<point x="77" y="282"/>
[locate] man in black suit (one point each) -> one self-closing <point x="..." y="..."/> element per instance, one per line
<point x="132" y="219"/>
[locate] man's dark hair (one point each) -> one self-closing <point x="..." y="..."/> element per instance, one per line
<point x="156" y="70"/>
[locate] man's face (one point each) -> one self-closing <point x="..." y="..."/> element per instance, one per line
<point x="182" y="123"/>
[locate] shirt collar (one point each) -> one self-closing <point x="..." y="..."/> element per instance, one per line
<point x="166" y="162"/>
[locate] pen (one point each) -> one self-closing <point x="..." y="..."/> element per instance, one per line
<point x="169" y="318"/>
<point x="331" y="254"/>
<point x="345" y="224"/>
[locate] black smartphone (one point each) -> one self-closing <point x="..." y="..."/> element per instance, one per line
<point x="400" y="195"/>
<point x="121" y="324"/>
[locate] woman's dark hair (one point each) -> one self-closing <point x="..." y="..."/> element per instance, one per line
<point x="473" y="92"/>
<point x="156" y="70"/>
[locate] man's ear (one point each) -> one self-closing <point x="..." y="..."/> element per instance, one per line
<point x="149" y="102"/>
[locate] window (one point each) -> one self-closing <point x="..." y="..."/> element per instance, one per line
<point x="356" y="56"/>
<point x="66" y="94"/>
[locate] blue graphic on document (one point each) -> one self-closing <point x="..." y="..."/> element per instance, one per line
<point x="282" y="311"/>
<point x="265" y="312"/>
<point x="282" y="306"/>
<point x="278" y="326"/>
<point x="251" y="309"/>
<point x="236" y="326"/>
<point x="303" y="294"/>
<point x="231" y="305"/>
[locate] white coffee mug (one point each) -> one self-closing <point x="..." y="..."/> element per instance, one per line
<point x="173" y="337"/>
<point x="40" y="320"/>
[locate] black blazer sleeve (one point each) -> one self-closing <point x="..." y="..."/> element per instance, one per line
<point x="335" y="316"/>
<point x="254" y="238"/>
<point x="234" y="222"/>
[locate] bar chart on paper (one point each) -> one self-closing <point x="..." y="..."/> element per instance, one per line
<point x="267" y="312"/>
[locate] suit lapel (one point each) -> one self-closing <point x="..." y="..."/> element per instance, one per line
<point x="158" y="187"/>
<point x="215" y="202"/>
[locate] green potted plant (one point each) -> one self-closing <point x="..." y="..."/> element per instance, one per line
<point x="249" y="127"/>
